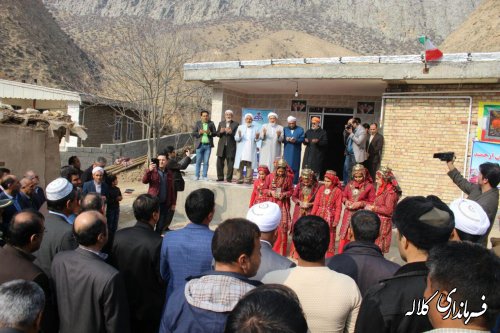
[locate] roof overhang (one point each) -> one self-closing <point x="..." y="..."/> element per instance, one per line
<point x="19" y="90"/>
<point x="341" y="75"/>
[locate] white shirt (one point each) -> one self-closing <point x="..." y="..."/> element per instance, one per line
<point x="247" y="154"/>
<point x="98" y="187"/>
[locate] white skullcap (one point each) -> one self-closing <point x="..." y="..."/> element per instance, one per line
<point x="97" y="169"/>
<point x="58" y="189"/>
<point x="291" y="119"/>
<point x="272" y="114"/>
<point x="249" y="114"/>
<point x="266" y="215"/>
<point x="470" y="217"/>
<point x="229" y="111"/>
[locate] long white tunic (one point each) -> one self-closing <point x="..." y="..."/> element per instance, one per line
<point x="246" y="145"/>
<point x="271" y="144"/>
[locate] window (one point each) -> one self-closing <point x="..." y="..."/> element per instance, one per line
<point x="130" y="129"/>
<point x="117" y="136"/>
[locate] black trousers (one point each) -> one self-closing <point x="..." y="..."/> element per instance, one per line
<point x="166" y="216"/>
<point x="220" y="165"/>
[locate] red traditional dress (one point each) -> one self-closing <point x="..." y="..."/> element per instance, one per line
<point x="328" y="205"/>
<point x="282" y="186"/>
<point x="355" y="197"/>
<point x="303" y="198"/>
<point x="386" y="199"/>
<point x="259" y="185"/>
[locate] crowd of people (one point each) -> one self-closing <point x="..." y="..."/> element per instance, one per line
<point x="67" y="267"/>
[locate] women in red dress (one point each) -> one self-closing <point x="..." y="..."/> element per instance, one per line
<point x="328" y="205"/>
<point x="386" y="199"/>
<point x="303" y="197"/>
<point x="279" y="188"/>
<point x="259" y="184"/>
<point x="358" y="193"/>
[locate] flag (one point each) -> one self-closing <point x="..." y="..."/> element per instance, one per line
<point x="432" y="53"/>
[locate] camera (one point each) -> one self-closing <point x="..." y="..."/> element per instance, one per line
<point x="447" y="157"/>
<point x="348" y="126"/>
<point x="155" y="161"/>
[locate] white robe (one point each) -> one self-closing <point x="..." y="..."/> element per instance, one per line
<point x="271" y="145"/>
<point x="246" y="145"/>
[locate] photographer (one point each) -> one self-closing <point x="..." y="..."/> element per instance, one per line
<point x="485" y="192"/>
<point x="161" y="185"/>
<point x="355" y="139"/>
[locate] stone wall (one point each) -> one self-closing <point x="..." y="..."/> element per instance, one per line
<point x="415" y="128"/>
<point x="132" y="149"/>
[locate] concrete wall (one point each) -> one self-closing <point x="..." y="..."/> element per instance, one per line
<point x="23" y="149"/>
<point x="415" y="128"/>
<point x="111" y="152"/>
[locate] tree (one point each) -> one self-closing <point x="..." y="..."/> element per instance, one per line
<point x="147" y="74"/>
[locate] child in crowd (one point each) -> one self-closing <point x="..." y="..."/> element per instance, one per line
<point x="328" y="205"/>
<point x="259" y="185"/>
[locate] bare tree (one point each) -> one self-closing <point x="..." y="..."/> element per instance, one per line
<point x="147" y="74"/>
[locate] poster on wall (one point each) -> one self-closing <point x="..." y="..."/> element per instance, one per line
<point x="488" y="125"/>
<point x="259" y="116"/>
<point x="482" y="152"/>
<point x="366" y="108"/>
<point x="299" y="105"/>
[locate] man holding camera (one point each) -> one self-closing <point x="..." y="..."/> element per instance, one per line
<point x="161" y="185"/>
<point x="355" y="140"/>
<point x="485" y="192"/>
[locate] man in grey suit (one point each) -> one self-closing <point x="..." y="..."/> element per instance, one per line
<point x="267" y="216"/>
<point x="62" y="202"/>
<point x="91" y="294"/>
<point x="226" y="148"/>
<point x="357" y="134"/>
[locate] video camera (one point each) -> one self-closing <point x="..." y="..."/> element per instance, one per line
<point x="447" y="157"/>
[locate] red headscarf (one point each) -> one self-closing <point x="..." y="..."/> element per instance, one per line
<point x="389" y="181"/>
<point x="263" y="168"/>
<point x="332" y="175"/>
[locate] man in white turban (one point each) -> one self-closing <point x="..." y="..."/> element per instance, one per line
<point x="471" y="221"/>
<point x="293" y="138"/>
<point x="246" y="137"/>
<point x="267" y="216"/>
<point x="272" y="137"/>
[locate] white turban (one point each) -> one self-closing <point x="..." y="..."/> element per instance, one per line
<point x="272" y="114"/>
<point x="470" y="217"/>
<point x="291" y="119"/>
<point x="248" y="115"/>
<point x="266" y="215"/>
<point x="58" y="189"/>
<point x="228" y="111"/>
<point x="97" y="169"/>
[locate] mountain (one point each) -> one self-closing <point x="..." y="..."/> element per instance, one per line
<point x="35" y="47"/>
<point x="479" y="33"/>
<point x="363" y="26"/>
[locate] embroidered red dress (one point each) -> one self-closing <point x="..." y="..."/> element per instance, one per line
<point x="283" y="186"/>
<point x="328" y="205"/>
<point x="305" y="195"/>
<point x="356" y="196"/>
<point x="384" y="205"/>
<point x="258" y="194"/>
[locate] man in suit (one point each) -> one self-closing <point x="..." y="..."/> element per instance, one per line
<point x="267" y="216"/>
<point x="136" y="254"/>
<point x="11" y="188"/>
<point x="97" y="184"/>
<point x="374" y="146"/>
<point x="161" y="185"/>
<point x="21" y="307"/>
<point x="91" y="295"/>
<point x="226" y="148"/>
<point x="62" y="202"/>
<point x="38" y="193"/>
<point x="25" y="236"/>
<point x="25" y="195"/>
<point x="187" y="251"/>
<point x="203" y="132"/>
<point x="357" y="134"/>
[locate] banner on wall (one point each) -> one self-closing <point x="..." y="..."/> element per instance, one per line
<point x="488" y="125"/>
<point x="482" y="152"/>
<point x="259" y="116"/>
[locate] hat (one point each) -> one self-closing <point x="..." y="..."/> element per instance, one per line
<point x="266" y="215"/>
<point x="5" y="203"/>
<point x="424" y="221"/>
<point x="470" y="217"/>
<point x="228" y="111"/>
<point x="315" y="120"/>
<point x="291" y="119"/>
<point x="97" y="169"/>
<point x="272" y="114"/>
<point x="248" y="115"/>
<point x="58" y="189"/>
